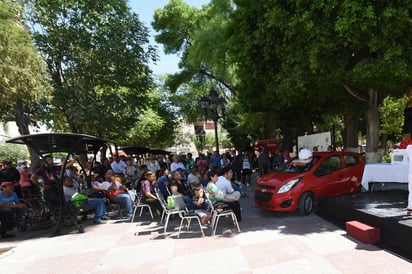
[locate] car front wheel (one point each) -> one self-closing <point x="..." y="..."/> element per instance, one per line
<point x="306" y="204"/>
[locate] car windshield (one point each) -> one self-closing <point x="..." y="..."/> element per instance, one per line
<point x="298" y="166"/>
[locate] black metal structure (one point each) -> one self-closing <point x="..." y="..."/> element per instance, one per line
<point x="160" y="152"/>
<point x="217" y="104"/>
<point x="72" y="144"/>
<point x="136" y="150"/>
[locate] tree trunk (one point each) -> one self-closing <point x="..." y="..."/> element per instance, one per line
<point x="22" y="122"/>
<point x="351" y="133"/>
<point x="372" y="130"/>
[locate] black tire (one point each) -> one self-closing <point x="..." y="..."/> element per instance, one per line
<point x="306" y="204"/>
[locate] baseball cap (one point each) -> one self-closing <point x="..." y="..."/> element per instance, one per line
<point x="7" y="184"/>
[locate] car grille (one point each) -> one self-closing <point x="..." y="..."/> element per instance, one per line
<point x="263" y="196"/>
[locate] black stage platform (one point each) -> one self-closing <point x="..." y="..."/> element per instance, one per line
<point x="383" y="209"/>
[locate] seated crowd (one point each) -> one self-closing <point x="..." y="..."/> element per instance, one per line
<point x="122" y="180"/>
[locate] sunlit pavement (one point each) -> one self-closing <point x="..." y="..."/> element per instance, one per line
<point x="268" y="243"/>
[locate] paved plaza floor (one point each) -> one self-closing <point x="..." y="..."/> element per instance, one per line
<point x="268" y="243"/>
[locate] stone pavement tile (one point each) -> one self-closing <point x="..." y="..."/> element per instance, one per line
<point x="368" y="259"/>
<point x="220" y="260"/>
<point x="328" y="242"/>
<point x="139" y="256"/>
<point x="70" y="263"/>
<point x="200" y="245"/>
<point x="275" y="251"/>
<point x="261" y="236"/>
<point x="316" y="265"/>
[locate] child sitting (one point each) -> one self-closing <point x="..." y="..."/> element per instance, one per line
<point x="201" y="206"/>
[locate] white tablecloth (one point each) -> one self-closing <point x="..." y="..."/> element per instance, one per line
<point x="384" y="173"/>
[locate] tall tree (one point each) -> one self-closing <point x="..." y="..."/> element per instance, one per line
<point x="319" y="49"/>
<point x="97" y="54"/>
<point x="23" y="85"/>
<point x="199" y="36"/>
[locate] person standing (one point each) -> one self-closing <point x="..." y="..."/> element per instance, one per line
<point x="10" y="174"/>
<point x="409" y="153"/>
<point x="153" y="165"/>
<point x="189" y="162"/>
<point x="46" y="176"/>
<point x="176" y="164"/>
<point x="193" y="179"/>
<point x="118" y="166"/>
<point x="264" y="161"/>
<point x="131" y="174"/>
<point x="201" y="164"/>
<point x="102" y="168"/>
<point x="246" y="169"/>
<point x="215" y="159"/>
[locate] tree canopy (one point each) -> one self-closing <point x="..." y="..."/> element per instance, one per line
<point x="23" y="85"/>
<point x="296" y="61"/>
<point x="97" y="54"/>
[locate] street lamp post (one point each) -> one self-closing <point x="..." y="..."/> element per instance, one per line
<point x="200" y="135"/>
<point x="217" y="105"/>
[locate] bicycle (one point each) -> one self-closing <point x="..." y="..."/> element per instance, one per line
<point x="37" y="215"/>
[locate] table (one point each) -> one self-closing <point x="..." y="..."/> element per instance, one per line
<point x="384" y="173"/>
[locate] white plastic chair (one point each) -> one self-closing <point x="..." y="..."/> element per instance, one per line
<point x="185" y="215"/>
<point x="138" y="204"/>
<point x="167" y="212"/>
<point x="217" y="213"/>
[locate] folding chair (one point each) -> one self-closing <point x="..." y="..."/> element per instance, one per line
<point x="138" y="204"/>
<point x="185" y="215"/>
<point x="221" y="210"/>
<point x="167" y="212"/>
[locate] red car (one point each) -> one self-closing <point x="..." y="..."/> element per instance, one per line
<point x="299" y="183"/>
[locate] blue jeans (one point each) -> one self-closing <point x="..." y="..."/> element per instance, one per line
<point x="98" y="206"/>
<point x="124" y="199"/>
<point x="189" y="203"/>
<point x="51" y="195"/>
<point x="237" y="187"/>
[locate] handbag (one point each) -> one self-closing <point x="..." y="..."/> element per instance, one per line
<point x="112" y="194"/>
<point x="170" y="202"/>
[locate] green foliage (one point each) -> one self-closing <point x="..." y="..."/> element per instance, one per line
<point x="97" y="55"/>
<point x="22" y="80"/>
<point x="296" y="55"/>
<point x="13" y="152"/>
<point x="391" y="116"/>
<point x="155" y="126"/>
<point x="199" y="36"/>
<point x="386" y="158"/>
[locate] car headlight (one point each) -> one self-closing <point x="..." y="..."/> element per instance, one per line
<point x="289" y="185"/>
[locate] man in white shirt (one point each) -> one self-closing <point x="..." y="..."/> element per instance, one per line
<point x="231" y="196"/>
<point x="94" y="203"/>
<point x="153" y="164"/>
<point x="193" y="178"/>
<point x="118" y="166"/>
<point x="225" y="185"/>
